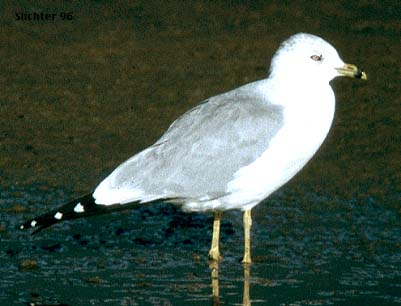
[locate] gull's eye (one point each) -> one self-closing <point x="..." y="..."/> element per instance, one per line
<point x="317" y="58"/>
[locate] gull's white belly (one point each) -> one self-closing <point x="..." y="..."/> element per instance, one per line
<point x="294" y="145"/>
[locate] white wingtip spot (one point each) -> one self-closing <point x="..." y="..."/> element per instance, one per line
<point x="79" y="208"/>
<point x="58" y="215"/>
<point x="33" y="223"/>
<point x="22" y="227"/>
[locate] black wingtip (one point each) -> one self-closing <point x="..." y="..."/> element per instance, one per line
<point x="32" y="223"/>
<point x="80" y="207"/>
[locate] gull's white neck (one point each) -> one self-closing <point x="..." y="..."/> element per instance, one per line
<point x="308" y="109"/>
<point x="300" y="92"/>
<point x="308" y="113"/>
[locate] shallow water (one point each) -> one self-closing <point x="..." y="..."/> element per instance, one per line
<point x="307" y="250"/>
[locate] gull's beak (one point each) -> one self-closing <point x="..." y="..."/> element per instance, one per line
<point x="352" y="71"/>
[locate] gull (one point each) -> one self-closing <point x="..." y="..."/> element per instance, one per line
<point x="233" y="150"/>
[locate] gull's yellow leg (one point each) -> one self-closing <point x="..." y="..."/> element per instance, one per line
<point x="247" y="233"/>
<point x="214" y="266"/>
<point x="214" y="253"/>
<point x="246" y="299"/>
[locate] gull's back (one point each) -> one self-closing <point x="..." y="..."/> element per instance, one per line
<point x="201" y="151"/>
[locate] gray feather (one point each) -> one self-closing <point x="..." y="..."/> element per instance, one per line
<point x="200" y="152"/>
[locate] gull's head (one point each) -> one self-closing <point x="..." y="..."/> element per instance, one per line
<point x="307" y="58"/>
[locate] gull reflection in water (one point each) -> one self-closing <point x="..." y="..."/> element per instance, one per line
<point x="214" y="267"/>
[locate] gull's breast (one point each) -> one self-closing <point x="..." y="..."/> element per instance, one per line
<point x="306" y="125"/>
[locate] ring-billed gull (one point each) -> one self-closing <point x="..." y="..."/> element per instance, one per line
<point x="234" y="149"/>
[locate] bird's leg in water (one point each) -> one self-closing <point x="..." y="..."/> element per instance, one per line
<point x="247" y="233"/>
<point x="214" y="253"/>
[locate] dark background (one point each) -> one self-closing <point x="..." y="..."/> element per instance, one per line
<point x="80" y="96"/>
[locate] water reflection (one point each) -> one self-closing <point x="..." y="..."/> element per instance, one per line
<point x="214" y="267"/>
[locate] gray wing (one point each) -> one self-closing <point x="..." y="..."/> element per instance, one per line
<point x="200" y="152"/>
